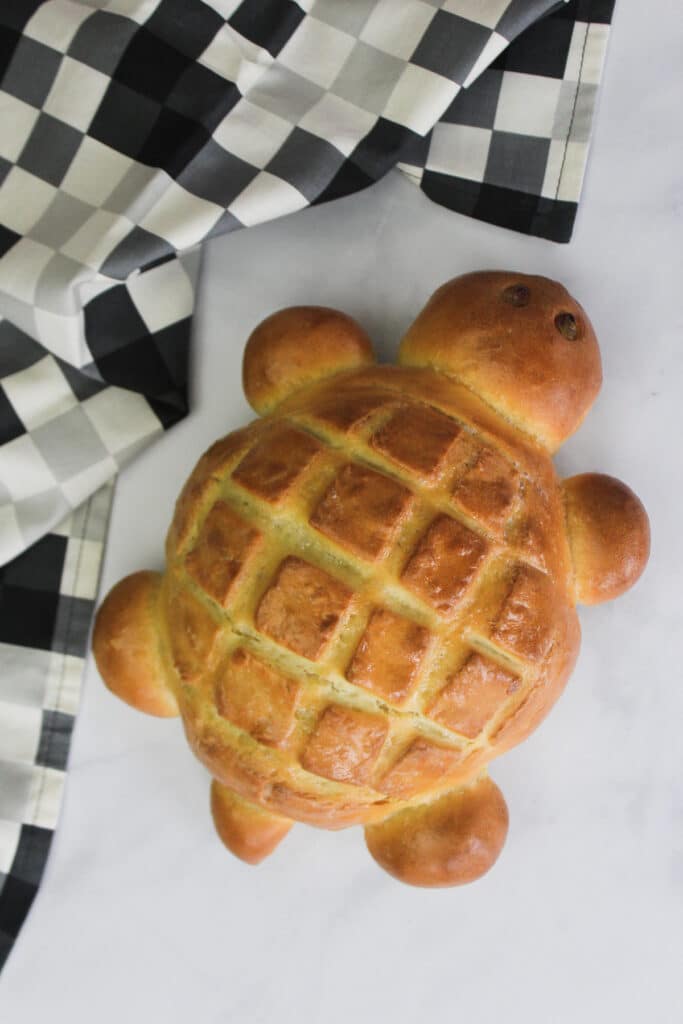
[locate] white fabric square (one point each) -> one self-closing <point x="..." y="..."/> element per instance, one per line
<point x="63" y="335"/>
<point x="56" y="22"/>
<point x="98" y="237"/>
<point x="76" y="93"/>
<point x="553" y="169"/>
<point x="494" y="46"/>
<point x="21" y="267"/>
<point x="180" y="217"/>
<point x="265" y="198"/>
<point x="317" y="51"/>
<point x="252" y="134"/>
<point x="120" y="418"/>
<point x="162" y="295"/>
<point x="81" y="568"/>
<point x="39" y="393"/>
<point x="63" y="688"/>
<point x="136" y="10"/>
<point x="45" y="797"/>
<point x="11" y="537"/>
<point x="460" y="150"/>
<point x="572" y="171"/>
<point x="339" y="122"/>
<point x="19" y="731"/>
<point x="95" y="171"/>
<point x="240" y="62"/>
<point x="484" y="12"/>
<point x="80" y="486"/>
<point x="225" y="8"/>
<point x="23" y="470"/>
<point x="594" y="54"/>
<point x="9" y="840"/>
<point x="17" y="121"/>
<point x="24" y="198"/>
<point x="397" y="28"/>
<point x="525" y="109"/>
<point x="419" y="99"/>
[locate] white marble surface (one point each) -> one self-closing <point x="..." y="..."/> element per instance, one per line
<point x="143" y="917"/>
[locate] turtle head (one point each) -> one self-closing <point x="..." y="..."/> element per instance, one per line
<point x="521" y="343"/>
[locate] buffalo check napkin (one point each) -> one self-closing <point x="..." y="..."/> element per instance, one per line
<point x="130" y="132"/>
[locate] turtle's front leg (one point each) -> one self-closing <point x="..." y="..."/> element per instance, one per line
<point x="453" y="840"/>
<point x="609" y="536"/>
<point x="248" y="831"/>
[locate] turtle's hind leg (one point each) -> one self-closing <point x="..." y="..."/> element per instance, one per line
<point x="454" y="839"/>
<point x="248" y="831"/>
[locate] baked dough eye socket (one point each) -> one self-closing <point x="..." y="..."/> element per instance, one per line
<point x="517" y="295"/>
<point x="567" y="325"/>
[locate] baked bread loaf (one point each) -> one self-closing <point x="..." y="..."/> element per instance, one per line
<point x="370" y="591"/>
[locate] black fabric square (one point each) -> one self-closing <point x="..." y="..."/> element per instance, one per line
<point x="124" y="120"/>
<point x="18" y="351"/>
<point x="72" y="626"/>
<point x="347" y="180"/>
<point x="270" y="24"/>
<point x="50" y="149"/>
<point x="150" y="66"/>
<point x="173" y="345"/>
<point x="306" y="162"/>
<point x="173" y="142"/>
<point x="27" y="617"/>
<point x="5" y="168"/>
<point x="541" y="50"/>
<point x="31" y="853"/>
<point x="16" y="13"/>
<point x="451" y="46"/>
<point x="111" y="322"/>
<point x="170" y="408"/>
<point x="202" y="95"/>
<point x="382" y="147"/>
<point x="39" y="567"/>
<point x="101" y="40"/>
<point x="217" y="175"/>
<point x="53" y="749"/>
<point x="9" y="39"/>
<point x="10" y="424"/>
<point x="81" y="383"/>
<point x="31" y="71"/>
<point x="139" y="248"/>
<point x="15" y="902"/>
<point x="189" y="27"/>
<point x="136" y="366"/>
<point x="517" y="161"/>
<point x="596" y="11"/>
<point x="477" y="105"/>
<point x="506" y="208"/>
<point x="8" y="238"/>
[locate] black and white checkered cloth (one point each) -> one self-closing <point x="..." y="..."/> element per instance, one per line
<point x="130" y="132"/>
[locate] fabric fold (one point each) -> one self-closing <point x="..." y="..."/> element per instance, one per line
<point x="132" y="132"/>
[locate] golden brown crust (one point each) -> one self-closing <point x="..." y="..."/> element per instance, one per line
<point x="126" y="645"/>
<point x="248" y="831"/>
<point x="609" y="536"/>
<point x="453" y="840"/>
<point x="521" y="342"/>
<point x="370" y="594"/>
<point x="297" y="346"/>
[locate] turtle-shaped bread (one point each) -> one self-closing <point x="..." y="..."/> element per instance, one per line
<point x="370" y="591"/>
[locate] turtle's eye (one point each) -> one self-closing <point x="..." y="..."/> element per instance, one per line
<point x="567" y="326"/>
<point x="517" y="295"/>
